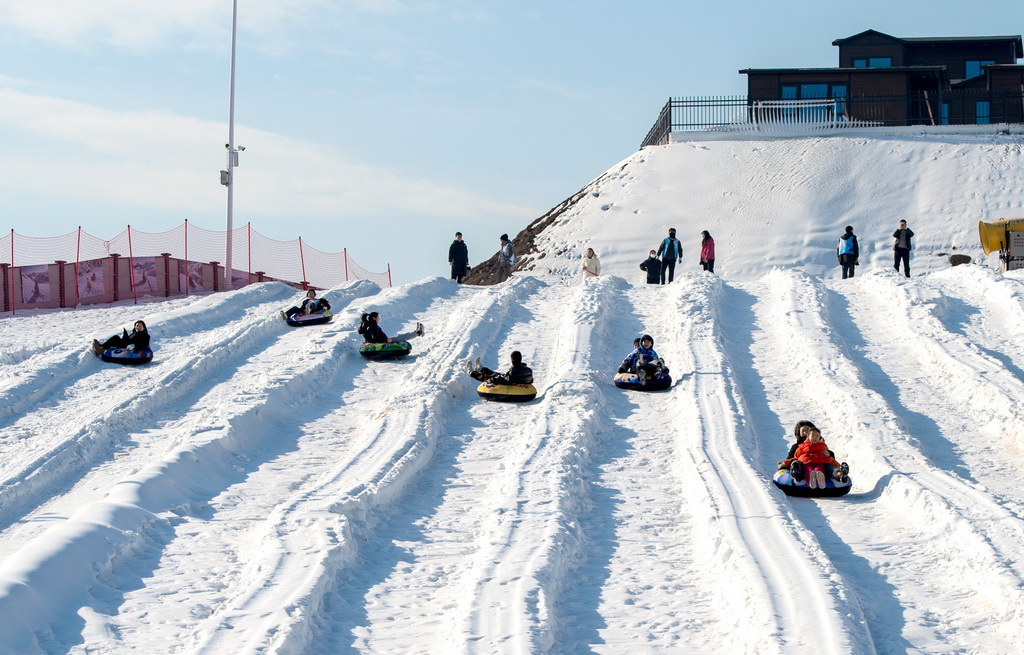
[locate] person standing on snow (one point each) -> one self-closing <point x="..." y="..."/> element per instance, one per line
<point x="591" y="264"/>
<point x="848" y="252"/>
<point x="506" y="259"/>
<point x="707" y="251"/>
<point x="458" y="258"/>
<point x="653" y="267"/>
<point x="902" y="247"/>
<point x="670" y="251"/>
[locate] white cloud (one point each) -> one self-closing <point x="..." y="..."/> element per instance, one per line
<point x="61" y="148"/>
<point x="144" y="26"/>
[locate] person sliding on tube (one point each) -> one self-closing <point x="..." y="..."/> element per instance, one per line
<point x="137" y="340"/>
<point x="520" y="373"/>
<point x="372" y="333"/>
<point x="644" y="361"/>
<point x="310" y="305"/>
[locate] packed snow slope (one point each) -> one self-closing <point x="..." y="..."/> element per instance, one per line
<point x="264" y="489"/>
<point x="785" y="202"/>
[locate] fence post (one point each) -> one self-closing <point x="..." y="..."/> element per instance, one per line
<point x="248" y="238"/>
<point x="389" y="276"/>
<point x="8" y="301"/>
<point x="60" y="280"/>
<point x="113" y="260"/>
<point x="11" y="292"/>
<point x="78" y="259"/>
<point x="131" y="266"/>
<point x="344" y="254"/>
<point x="216" y="286"/>
<point x="302" y="263"/>
<point x="167" y="273"/>
<point x="188" y="274"/>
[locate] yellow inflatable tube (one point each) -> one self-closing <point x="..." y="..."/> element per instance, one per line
<point x="993" y="235"/>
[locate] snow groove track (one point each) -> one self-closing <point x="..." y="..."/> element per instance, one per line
<point x="84" y="424"/>
<point x="385" y="511"/>
<point x="638" y="555"/>
<point x="222" y="428"/>
<point x="856" y="400"/>
<point x="754" y="546"/>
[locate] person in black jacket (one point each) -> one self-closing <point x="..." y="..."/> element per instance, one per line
<point x="848" y="252"/>
<point x="137" y="340"/>
<point x="458" y="258"/>
<point x="310" y="305"/>
<point x="520" y="373"/>
<point x="372" y="333"/>
<point x="902" y="247"/>
<point x="653" y="267"/>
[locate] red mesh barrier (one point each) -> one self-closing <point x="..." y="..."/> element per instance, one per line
<point x="186" y="259"/>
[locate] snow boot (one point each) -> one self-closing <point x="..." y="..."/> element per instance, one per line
<point x="283" y="315"/>
<point x="796" y="470"/>
<point x="469" y="367"/>
<point x="419" y="329"/>
<point x="842" y="472"/>
<point x="97" y="348"/>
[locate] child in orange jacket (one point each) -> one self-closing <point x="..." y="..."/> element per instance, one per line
<point x="813" y="453"/>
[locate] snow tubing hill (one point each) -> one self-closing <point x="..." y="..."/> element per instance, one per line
<point x="507" y="393"/>
<point x="631" y="381"/>
<point x="392" y="350"/>
<point x="128" y="357"/>
<point x="316" y="318"/>
<point x="783" y="480"/>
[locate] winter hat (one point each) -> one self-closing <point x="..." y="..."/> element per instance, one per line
<point x="849" y="229"/>
<point x="504" y="237"/>
<point x="647" y="337"/>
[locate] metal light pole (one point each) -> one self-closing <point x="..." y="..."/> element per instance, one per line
<point x="227" y="177"/>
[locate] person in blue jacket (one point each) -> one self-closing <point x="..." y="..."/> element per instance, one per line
<point x="670" y="251"/>
<point x="848" y="252"/>
<point x="644" y="361"/>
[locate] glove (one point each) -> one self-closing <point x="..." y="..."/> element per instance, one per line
<point x="782" y="465"/>
<point x="622" y="369"/>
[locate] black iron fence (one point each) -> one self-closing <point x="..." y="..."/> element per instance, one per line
<point x="740" y="114"/>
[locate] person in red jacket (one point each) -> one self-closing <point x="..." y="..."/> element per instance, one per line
<point x="813" y="453"/>
<point x="707" y="251"/>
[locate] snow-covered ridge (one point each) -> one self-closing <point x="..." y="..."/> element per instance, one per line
<point x="784" y="202"/>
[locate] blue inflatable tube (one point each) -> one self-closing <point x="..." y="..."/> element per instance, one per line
<point x="833" y="489"/>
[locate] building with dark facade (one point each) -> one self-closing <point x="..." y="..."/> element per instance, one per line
<point x="908" y="81"/>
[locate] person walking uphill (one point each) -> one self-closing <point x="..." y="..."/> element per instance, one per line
<point x="458" y="258"/>
<point x="591" y="264"/>
<point x="707" y="251"/>
<point x="848" y="252"/>
<point x="670" y="251"/>
<point x="506" y="259"/>
<point x="902" y="247"/>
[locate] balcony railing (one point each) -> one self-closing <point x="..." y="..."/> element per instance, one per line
<point x="797" y="117"/>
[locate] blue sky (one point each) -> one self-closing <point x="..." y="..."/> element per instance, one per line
<point x="381" y="126"/>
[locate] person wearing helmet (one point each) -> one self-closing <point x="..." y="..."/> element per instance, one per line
<point x="644" y="361"/>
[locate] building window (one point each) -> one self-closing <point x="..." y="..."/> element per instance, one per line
<point x="872" y="62"/>
<point x="820" y="91"/>
<point x="974" y="68"/>
<point x="983" y="112"/>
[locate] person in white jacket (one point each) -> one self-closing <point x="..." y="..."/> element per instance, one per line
<point x="591" y="264"/>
